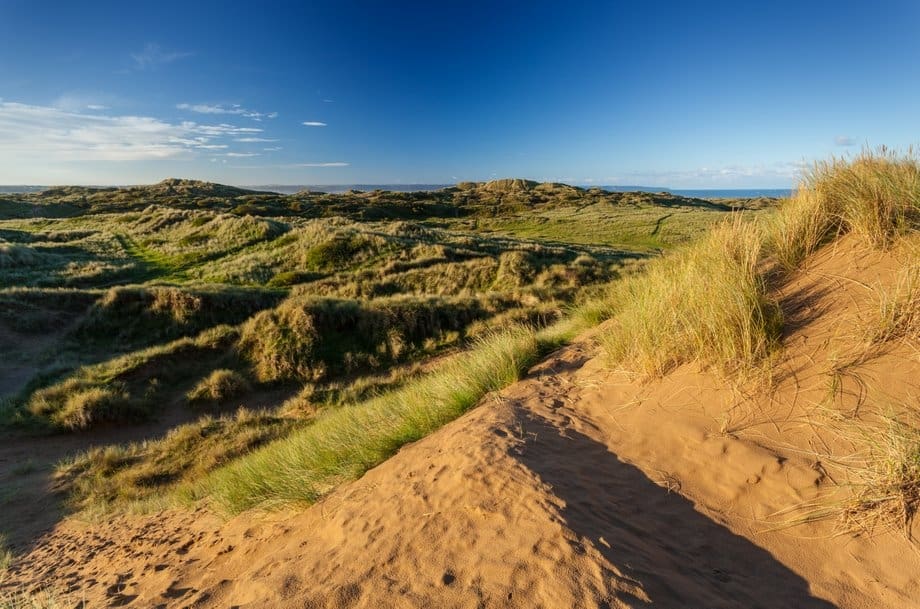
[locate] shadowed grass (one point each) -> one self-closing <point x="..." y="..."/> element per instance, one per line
<point x="222" y="384"/>
<point x="104" y="477"/>
<point x="124" y="388"/>
<point x="6" y="556"/>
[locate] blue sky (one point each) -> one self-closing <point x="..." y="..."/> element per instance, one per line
<point x="693" y="95"/>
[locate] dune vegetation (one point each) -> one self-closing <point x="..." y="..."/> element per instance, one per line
<point x="348" y="325"/>
<point x="224" y="318"/>
<point x="712" y="302"/>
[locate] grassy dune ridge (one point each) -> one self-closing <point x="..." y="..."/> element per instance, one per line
<point x="345" y="443"/>
<point x="711" y="302"/>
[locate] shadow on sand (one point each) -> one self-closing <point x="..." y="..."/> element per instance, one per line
<point x="654" y="537"/>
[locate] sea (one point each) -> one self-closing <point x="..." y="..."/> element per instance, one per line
<point x="735" y="193"/>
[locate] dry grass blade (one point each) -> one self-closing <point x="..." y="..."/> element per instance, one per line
<point x="878" y="481"/>
<point x="885" y="479"/>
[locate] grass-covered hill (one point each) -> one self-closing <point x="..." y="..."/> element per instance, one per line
<point x="118" y="269"/>
<point x="182" y="301"/>
<point x="466" y="199"/>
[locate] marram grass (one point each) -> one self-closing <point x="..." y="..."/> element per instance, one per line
<point x="344" y="443"/>
<point x="710" y="301"/>
<point x="875" y="196"/>
<point x="706" y="302"/>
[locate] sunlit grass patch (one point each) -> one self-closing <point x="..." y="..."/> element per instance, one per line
<point x="875" y="196"/>
<point x="706" y="302"/>
<point x="344" y="443"/>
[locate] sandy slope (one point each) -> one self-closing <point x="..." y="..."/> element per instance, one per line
<point x="578" y="487"/>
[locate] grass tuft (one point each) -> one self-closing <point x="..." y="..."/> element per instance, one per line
<point x="706" y="303"/>
<point x="6" y="556"/>
<point x="899" y="308"/>
<point x="108" y="476"/>
<point x="885" y="480"/>
<point x="85" y="407"/>
<point x="40" y="600"/>
<point x="709" y="302"/>
<point x="221" y="385"/>
<point x="875" y="196"/>
<point x="879" y="485"/>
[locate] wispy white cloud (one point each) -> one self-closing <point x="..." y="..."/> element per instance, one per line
<point x="241" y="155"/>
<point x="153" y="56"/>
<point x="328" y="101"/>
<point x="223" y="129"/>
<point x="254" y="139"/>
<point x="314" y="124"/>
<point x="208" y="109"/>
<point x="333" y="164"/>
<point x="273" y="149"/>
<point x="49" y="134"/>
<point x="234" y="109"/>
<point x="843" y="140"/>
<point x="76" y="102"/>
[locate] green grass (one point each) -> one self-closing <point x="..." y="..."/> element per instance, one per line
<point x="369" y="290"/>
<point x="219" y="386"/>
<point x="631" y="228"/>
<point x="343" y="444"/>
<point x="109" y="477"/>
<point x="127" y="388"/>
<point x="151" y="264"/>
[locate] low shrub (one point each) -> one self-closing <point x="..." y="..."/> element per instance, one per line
<point x="219" y="386"/>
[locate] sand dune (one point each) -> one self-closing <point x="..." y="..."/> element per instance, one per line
<point x="577" y="487"/>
